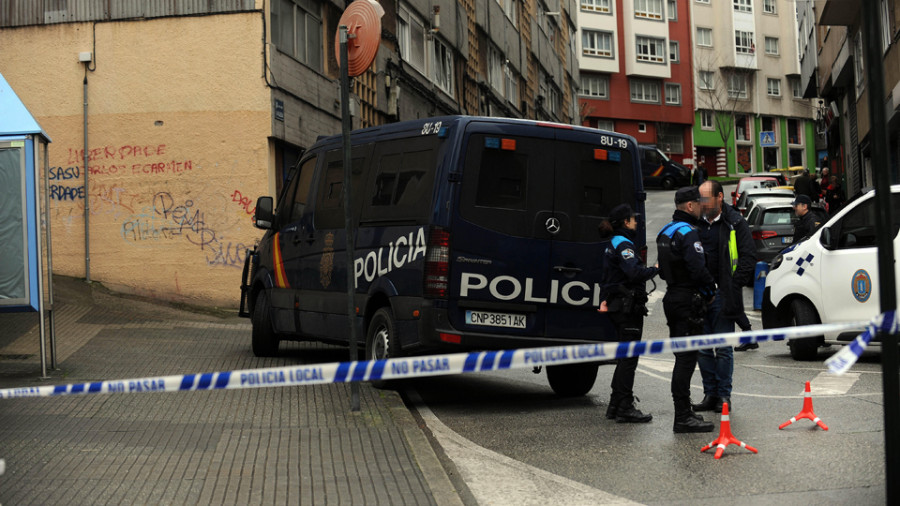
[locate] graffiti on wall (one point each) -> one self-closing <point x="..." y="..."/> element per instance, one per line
<point x="170" y="219"/>
<point x="130" y="184"/>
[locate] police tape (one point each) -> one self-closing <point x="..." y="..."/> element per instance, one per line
<point x="459" y="363"/>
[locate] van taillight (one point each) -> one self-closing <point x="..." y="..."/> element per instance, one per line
<point x="437" y="264"/>
<point x="642" y="253"/>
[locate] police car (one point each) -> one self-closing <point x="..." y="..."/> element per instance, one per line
<point x="470" y="233"/>
<point x="831" y="277"/>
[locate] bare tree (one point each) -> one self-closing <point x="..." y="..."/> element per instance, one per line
<point x="725" y="90"/>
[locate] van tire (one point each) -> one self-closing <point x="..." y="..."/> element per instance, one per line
<point x="668" y="184"/>
<point x="803" y="313"/>
<point x="381" y="340"/>
<point x="572" y="380"/>
<point x="264" y="340"/>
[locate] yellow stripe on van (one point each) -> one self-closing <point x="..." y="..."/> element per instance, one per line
<point x="280" y="276"/>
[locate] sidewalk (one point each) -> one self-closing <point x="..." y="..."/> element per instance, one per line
<point x="289" y="445"/>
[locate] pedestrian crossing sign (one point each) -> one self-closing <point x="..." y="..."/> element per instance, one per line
<point x="766" y="139"/>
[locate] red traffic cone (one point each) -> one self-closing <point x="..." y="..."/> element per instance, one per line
<point x="806" y="412"/>
<point x="725" y="437"/>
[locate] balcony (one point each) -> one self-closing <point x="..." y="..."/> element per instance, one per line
<point x="840" y="13"/>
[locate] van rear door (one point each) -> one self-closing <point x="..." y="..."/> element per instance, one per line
<point x="526" y="258"/>
<point x="593" y="174"/>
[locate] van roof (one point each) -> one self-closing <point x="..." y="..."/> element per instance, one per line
<point x="416" y="125"/>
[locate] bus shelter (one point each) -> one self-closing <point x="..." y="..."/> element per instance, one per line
<point x="26" y="267"/>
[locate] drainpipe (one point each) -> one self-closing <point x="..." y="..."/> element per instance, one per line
<point x="87" y="199"/>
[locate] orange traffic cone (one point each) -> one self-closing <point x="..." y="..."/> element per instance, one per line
<point x="806" y="412"/>
<point x="725" y="437"/>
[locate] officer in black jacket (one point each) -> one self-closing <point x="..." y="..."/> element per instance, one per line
<point x="808" y="222"/>
<point x="624" y="279"/>
<point x="682" y="264"/>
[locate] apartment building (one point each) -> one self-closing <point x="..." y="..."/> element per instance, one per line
<point x="634" y="58"/>
<point x="840" y="80"/>
<point x="195" y="108"/>
<point x="751" y="113"/>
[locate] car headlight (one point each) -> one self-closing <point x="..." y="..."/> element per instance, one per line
<point x="776" y="262"/>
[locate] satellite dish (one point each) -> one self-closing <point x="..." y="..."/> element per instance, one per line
<point x="363" y="22"/>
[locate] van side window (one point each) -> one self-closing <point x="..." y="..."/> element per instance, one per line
<point x="301" y="195"/>
<point x="330" y="198"/>
<point x="402" y="180"/>
<point x="293" y="198"/>
<point x="857" y="228"/>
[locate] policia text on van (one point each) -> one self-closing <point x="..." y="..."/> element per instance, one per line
<point x="471" y="233"/>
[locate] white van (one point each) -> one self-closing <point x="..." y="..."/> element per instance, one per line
<point x="831" y="277"/>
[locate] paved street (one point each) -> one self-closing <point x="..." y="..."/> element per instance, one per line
<point x="256" y="446"/>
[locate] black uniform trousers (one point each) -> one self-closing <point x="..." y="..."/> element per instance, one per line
<point x="629" y="328"/>
<point x="681" y="308"/>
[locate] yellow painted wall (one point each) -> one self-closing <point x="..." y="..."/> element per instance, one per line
<point x="179" y="118"/>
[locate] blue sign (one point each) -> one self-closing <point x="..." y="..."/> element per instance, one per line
<point x="279" y="110"/>
<point x="767" y="139"/>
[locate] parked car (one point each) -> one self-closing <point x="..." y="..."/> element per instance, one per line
<point x="743" y="203"/>
<point x="752" y="182"/>
<point x="832" y="277"/>
<point x="771" y="226"/>
<point x="660" y="170"/>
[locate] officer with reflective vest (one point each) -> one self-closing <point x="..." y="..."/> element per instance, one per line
<point x="690" y="288"/>
<point x="625" y="297"/>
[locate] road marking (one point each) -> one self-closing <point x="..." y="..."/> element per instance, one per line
<point x="823" y="385"/>
<point x="832" y="384"/>
<point x="497" y="479"/>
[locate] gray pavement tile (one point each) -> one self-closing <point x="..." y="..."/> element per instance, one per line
<point x="284" y="445"/>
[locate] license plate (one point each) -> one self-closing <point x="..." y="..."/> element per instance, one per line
<point x="787" y="240"/>
<point x="488" y="319"/>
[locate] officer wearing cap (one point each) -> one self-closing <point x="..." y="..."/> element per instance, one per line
<point x="624" y="280"/>
<point x="690" y="287"/>
<point x="808" y="222"/>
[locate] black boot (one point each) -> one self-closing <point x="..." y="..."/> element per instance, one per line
<point x="746" y="346"/>
<point x="614" y="402"/>
<point x="707" y="404"/>
<point x="722" y="400"/>
<point x="628" y="413"/>
<point x="611" y="411"/>
<point x="688" y="421"/>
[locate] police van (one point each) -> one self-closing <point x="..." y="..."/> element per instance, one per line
<point x="470" y="233"/>
<point x="831" y="277"/>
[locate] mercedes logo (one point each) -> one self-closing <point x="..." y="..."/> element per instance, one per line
<point x="552" y="225"/>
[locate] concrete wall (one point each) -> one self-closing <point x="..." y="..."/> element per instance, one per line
<point x="179" y="119"/>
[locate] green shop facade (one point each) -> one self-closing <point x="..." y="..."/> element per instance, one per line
<point x="733" y="144"/>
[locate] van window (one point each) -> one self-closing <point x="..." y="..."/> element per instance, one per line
<point x="330" y="198"/>
<point x="515" y="190"/>
<point x="502" y="187"/>
<point x="857" y="228"/>
<point x="401" y="184"/>
<point x="301" y="195"/>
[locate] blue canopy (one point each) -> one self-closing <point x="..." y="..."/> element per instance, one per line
<point x="14" y="116"/>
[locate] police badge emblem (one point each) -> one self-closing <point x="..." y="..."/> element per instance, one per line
<point x="326" y="265"/>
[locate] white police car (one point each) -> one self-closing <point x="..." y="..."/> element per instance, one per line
<point x="831" y="277"/>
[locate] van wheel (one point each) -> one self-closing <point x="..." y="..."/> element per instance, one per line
<point x="668" y="184"/>
<point x="381" y="340"/>
<point x="572" y="380"/>
<point x="264" y="340"/>
<point x="803" y="313"/>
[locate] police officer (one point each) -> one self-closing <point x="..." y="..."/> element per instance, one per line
<point x="808" y="222"/>
<point x="624" y="279"/>
<point x="682" y="264"/>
